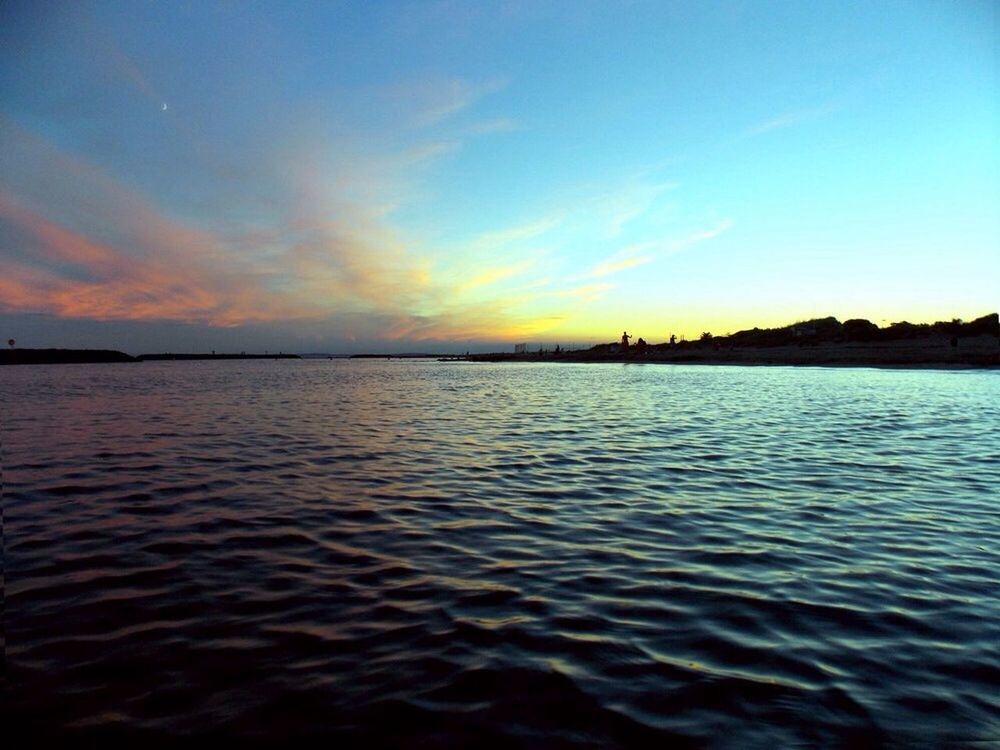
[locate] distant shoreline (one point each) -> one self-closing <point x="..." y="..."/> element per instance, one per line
<point x="823" y="341"/>
<point x="979" y="353"/>
<point x="167" y="357"/>
<point x="107" y="356"/>
<point x="982" y="352"/>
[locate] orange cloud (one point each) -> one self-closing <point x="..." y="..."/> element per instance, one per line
<point x="82" y="278"/>
<point x="76" y="243"/>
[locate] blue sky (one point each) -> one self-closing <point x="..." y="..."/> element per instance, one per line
<point x="391" y="176"/>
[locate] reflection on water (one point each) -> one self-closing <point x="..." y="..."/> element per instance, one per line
<point x="540" y="555"/>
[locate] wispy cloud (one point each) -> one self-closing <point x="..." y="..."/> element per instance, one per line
<point x="788" y="119"/>
<point x="624" y="259"/>
<point x="499" y="238"/>
<point x="586" y="292"/>
<point x="497" y="274"/>
<point x="127" y="69"/>
<point x="99" y="249"/>
<point x="73" y="275"/>
<point x="700" y="235"/>
<point x="433" y="101"/>
<point x="79" y="244"/>
<point x="640" y="253"/>
<point x="629" y="202"/>
<point x="326" y="251"/>
<point x="496" y="125"/>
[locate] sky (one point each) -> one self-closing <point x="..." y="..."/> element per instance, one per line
<point x="451" y="176"/>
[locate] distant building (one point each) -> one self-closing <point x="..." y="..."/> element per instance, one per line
<point x="520" y="348"/>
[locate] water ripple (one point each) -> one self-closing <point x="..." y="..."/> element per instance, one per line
<point x="397" y="553"/>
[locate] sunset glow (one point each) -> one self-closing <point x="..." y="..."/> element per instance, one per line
<point x="459" y="175"/>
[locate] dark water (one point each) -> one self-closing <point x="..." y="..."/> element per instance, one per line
<point x="519" y="555"/>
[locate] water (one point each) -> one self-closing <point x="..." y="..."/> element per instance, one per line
<point x="536" y="555"/>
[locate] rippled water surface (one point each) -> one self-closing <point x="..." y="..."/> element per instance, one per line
<point x="528" y="555"/>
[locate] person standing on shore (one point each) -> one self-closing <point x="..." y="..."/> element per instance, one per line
<point x="625" y="338"/>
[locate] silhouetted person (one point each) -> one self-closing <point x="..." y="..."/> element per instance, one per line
<point x="640" y="345"/>
<point x="673" y="339"/>
<point x="625" y="338"/>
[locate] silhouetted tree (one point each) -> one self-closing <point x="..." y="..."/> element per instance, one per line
<point x="859" y="329"/>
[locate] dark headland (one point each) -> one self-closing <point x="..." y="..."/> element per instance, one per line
<point x="824" y="341"/>
<point x="61" y="356"/>
<point x="87" y="356"/>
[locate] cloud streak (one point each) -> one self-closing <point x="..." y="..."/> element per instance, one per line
<point x="78" y="243"/>
<point x="322" y="248"/>
<point x="431" y="102"/>
<point x="788" y="119"/>
<point x="640" y="253"/>
<point x="620" y="261"/>
<point x="81" y="278"/>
